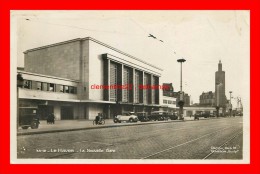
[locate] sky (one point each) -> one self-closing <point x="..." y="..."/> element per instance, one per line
<point x="201" y="37"/>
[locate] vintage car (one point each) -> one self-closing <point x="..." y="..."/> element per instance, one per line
<point x="142" y="116"/>
<point x="173" y="115"/>
<point x="197" y="116"/>
<point x="28" y="117"/>
<point x="205" y="114"/>
<point x="212" y="115"/>
<point x="127" y="116"/>
<point x="158" y="116"/>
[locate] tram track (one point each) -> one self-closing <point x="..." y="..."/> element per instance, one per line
<point x="188" y="142"/>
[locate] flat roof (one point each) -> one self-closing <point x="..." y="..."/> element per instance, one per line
<point x="47" y="76"/>
<point x="94" y="40"/>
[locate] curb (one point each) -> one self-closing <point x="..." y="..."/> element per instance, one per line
<point x="99" y="127"/>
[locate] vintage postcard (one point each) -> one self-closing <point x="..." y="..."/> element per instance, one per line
<point x="130" y="86"/>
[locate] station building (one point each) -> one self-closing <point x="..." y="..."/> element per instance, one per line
<point x="77" y="79"/>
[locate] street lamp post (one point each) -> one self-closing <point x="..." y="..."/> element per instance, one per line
<point x="181" y="102"/>
<point x="230" y="105"/>
<point x="19" y="85"/>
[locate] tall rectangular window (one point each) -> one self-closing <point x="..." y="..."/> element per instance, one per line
<point x="136" y="87"/>
<point x="113" y="81"/>
<point x="126" y="82"/>
<point x="145" y="91"/>
<point x="153" y="90"/>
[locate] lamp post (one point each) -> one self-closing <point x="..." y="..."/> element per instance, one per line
<point x="181" y="101"/>
<point x="19" y="85"/>
<point x="230" y="105"/>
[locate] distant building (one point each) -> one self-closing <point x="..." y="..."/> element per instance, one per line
<point x="220" y="97"/>
<point x="207" y="99"/>
<point x="168" y="104"/>
<point x="169" y="90"/>
<point x="168" y="100"/>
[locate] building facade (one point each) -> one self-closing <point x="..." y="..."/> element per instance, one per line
<point x="169" y="90"/>
<point x="77" y="79"/>
<point x="207" y="99"/>
<point x="168" y="100"/>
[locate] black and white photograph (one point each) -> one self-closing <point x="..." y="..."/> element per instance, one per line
<point x="130" y="86"/>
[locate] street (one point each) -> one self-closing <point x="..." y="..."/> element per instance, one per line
<point x="204" y="139"/>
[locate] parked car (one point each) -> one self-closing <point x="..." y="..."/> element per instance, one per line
<point x="205" y="114"/>
<point x="173" y="115"/>
<point x="142" y="116"/>
<point x="158" y="116"/>
<point x="28" y="117"/>
<point x="197" y="116"/>
<point x="212" y="115"/>
<point x="128" y="116"/>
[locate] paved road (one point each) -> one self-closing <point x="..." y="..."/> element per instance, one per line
<point x="204" y="139"/>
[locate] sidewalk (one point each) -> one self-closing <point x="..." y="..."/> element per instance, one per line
<point x="73" y="125"/>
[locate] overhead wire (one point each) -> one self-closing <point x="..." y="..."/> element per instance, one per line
<point x="146" y="33"/>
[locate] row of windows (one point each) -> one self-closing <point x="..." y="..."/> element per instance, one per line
<point x="205" y="101"/>
<point x="169" y="102"/>
<point x="43" y="86"/>
<point x="207" y="97"/>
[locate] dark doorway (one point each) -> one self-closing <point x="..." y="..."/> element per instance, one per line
<point x="44" y="111"/>
<point x="114" y="110"/>
<point x="66" y="113"/>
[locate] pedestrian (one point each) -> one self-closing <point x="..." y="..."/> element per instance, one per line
<point x="51" y="118"/>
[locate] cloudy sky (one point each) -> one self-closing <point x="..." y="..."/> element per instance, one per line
<point x="201" y="37"/>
